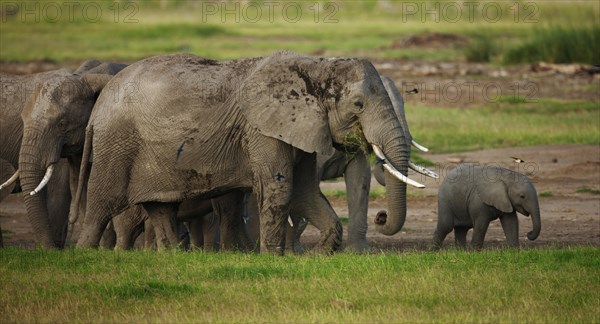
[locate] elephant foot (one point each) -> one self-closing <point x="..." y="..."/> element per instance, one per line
<point x="331" y="240"/>
<point x="360" y="247"/>
<point x="297" y="248"/>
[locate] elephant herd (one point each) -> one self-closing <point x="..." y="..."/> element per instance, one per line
<point x="232" y="151"/>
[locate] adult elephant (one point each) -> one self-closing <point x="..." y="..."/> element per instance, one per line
<point x="16" y="90"/>
<point x="355" y="169"/>
<point x="198" y="127"/>
<point x="52" y="125"/>
<point x="357" y="174"/>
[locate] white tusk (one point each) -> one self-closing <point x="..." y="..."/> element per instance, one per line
<point x="44" y="181"/>
<point x="290" y="221"/>
<point x="419" y="146"/>
<point x="11" y="180"/>
<point x="393" y="170"/>
<point x="423" y="170"/>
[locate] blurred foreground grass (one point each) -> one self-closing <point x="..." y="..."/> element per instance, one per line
<point x="131" y="30"/>
<point x="550" y="286"/>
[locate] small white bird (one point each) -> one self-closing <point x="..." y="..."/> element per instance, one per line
<point x="413" y="91"/>
<point x="517" y="160"/>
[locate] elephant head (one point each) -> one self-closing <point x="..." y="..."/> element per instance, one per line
<point x="509" y="192"/>
<point x="358" y="111"/>
<point x="54" y="121"/>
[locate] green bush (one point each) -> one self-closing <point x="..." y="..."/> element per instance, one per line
<point x="481" y="49"/>
<point x="558" y="44"/>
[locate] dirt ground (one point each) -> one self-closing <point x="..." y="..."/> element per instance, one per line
<point x="569" y="217"/>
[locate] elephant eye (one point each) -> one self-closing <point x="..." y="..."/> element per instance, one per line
<point x="358" y="104"/>
<point x="522" y="196"/>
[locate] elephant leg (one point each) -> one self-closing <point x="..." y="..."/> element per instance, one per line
<point x="252" y="222"/>
<point x="358" y="184"/>
<point x="106" y="198"/>
<point x="460" y="236"/>
<point x="128" y="226"/>
<point x="444" y="226"/>
<point x="195" y="229"/>
<point x="96" y="220"/>
<point x="311" y="204"/>
<point x="210" y="232"/>
<point x="59" y="202"/>
<point x="274" y="178"/>
<point x="320" y="213"/>
<point x="109" y="237"/>
<point x="510" y="225"/>
<point x="164" y="218"/>
<point x="149" y="236"/>
<point x="228" y="209"/>
<point x="480" y="227"/>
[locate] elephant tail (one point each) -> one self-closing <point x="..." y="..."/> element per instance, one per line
<point x="83" y="169"/>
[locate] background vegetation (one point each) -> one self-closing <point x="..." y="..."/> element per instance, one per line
<point x="500" y="31"/>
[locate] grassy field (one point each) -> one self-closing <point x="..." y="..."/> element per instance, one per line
<point x="548" y="286"/>
<point x="124" y="30"/>
<point x="506" y="124"/>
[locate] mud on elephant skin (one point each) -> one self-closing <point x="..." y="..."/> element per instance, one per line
<point x="198" y="127"/>
<point x="472" y="196"/>
<point x="54" y="120"/>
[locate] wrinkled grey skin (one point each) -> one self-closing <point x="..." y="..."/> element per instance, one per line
<point x="472" y="196"/>
<point x="357" y="174"/>
<point x="197" y="127"/>
<point x="16" y="90"/>
<point x="54" y="121"/>
<point x="6" y="171"/>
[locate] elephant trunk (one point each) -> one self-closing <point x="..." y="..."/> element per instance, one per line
<point x="391" y="138"/>
<point x="391" y="222"/>
<point x="32" y="169"/>
<point x="537" y="225"/>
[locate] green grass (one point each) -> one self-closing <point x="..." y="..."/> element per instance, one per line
<point x="354" y="28"/>
<point x="481" y="49"/>
<point x="548" y="286"/>
<point x="335" y="193"/>
<point x="506" y="124"/>
<point x="559" y="44"/>
<point x="588" y="190"/>
<point x="546" y="194"/>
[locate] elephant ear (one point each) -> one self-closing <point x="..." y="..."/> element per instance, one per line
<point x="494" y="194"/>
<point x="87" y="65"/>
<point x="96" y="82"/>
<point x="278" y="99"/>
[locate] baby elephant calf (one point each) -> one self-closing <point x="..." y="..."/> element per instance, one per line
<point x="472" y="196"/>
